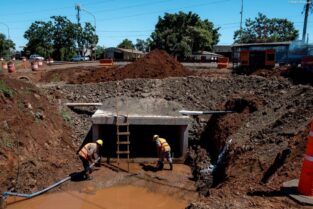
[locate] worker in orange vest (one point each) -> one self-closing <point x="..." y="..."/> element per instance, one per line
<point x="163" y="150"/>
<point x="88" y="155"/>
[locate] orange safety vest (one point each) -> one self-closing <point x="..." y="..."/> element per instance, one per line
<point x="88" y="150"/>
<point x="164" y="145"/>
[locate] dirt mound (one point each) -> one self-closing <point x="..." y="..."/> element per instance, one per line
<point x="156" y="64"/>
<point x="213" y="139"/>
<point x="36" y="146"/>
<point x="221" y="126"/>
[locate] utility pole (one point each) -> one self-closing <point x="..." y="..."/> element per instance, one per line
<point x="95" y="25"/>
<point x="306" y="14"/>
<point x="241" y="13"/>
<point x="77" y="7"/>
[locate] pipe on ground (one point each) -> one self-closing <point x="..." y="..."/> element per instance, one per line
<point x="191" y="112"/>
<point x="6" y="194"/>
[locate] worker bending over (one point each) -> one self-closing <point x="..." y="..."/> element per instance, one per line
<point x="88" y="155"/>
<point x="163" y="150"/>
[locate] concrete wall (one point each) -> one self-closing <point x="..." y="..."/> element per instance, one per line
<point x="142" y="128"/>
<point x="141" y="143"/>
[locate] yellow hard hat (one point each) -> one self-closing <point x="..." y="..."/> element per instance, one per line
<point x="155" y="137"/>
<point x="100" y="142"/>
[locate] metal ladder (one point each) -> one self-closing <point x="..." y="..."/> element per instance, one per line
<point x="122" y="133"/>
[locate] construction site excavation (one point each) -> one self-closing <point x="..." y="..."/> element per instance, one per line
<point x="235" y="138"/>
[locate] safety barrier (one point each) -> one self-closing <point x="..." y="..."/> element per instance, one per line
<point x="11" y="67"/>
<point x="305" y="186"/>
<point x="4" y="66"/>
<point x="34" y="66"/>
<point x="222" y="62"/>
<point x="106" y="62"/>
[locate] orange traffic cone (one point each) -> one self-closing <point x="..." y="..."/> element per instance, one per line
<point x="305" y="186"/>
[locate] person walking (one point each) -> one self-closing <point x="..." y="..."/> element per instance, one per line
<point x="164" y="151"/>
<point x="89" y="154"/>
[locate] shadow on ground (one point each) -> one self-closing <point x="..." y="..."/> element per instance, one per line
<point x="149" y="167"/>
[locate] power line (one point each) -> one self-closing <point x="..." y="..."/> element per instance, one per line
<point x="36" y="11"/>
<point x="122" y="31"/>
<point x="132" y="6"/>
<point x="71" y="7"/>
<point x="157" y="12"/>
<point x="141" y="14"/>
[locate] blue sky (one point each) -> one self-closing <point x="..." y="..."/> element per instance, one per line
<point x="119" y="19"/>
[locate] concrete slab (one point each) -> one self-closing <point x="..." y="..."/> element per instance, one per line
<point x="291" y="189"/>
<point x="146" y="117"/>
<point x="107" y="117"/>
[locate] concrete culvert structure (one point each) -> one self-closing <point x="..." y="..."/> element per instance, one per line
<point x="146" y="117"/>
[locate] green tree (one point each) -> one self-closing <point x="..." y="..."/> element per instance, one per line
<point x="6" y="45"/>
<point x="142" y="45"/>
<point x="182" y="33"/>
<point x="100" y="52"/>
<point x="64" y="37"/>
<point x="264" y="29"/>
<point x="126" y="44"/>
<point x="59" y="38"/>
<point x="40" y="40"/>
<point x="88" y="39"/>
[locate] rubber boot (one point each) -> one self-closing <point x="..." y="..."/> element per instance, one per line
<point x="160" y="165"/>
<point x="171" y="166"/>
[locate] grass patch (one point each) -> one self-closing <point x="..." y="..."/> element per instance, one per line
<point x="6" y="91"/>
<point x="66" y="116"/>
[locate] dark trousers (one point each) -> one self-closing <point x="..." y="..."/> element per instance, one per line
<point x="85" y="163"/>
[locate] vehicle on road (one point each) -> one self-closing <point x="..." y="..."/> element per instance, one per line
<point x="36" y="57"/>
<point x="80" y="58"/>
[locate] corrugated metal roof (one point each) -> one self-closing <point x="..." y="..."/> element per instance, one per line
<point x="205" y="53"/>
<point x="131" y="51"/>
<point x="125" y="50"/>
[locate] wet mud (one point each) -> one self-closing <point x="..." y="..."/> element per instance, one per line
<point x="122" y="197"/>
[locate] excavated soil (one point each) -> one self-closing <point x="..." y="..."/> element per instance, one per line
<point x="36" y="146"/>
<point x="268" y="128"/>
<point x="156" y="64"/>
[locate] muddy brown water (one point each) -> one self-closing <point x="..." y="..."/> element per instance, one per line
<point x="119" y="197"/>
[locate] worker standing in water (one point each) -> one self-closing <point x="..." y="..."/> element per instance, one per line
<point x="163" y="150"/>
<point x="88" y="155"/>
